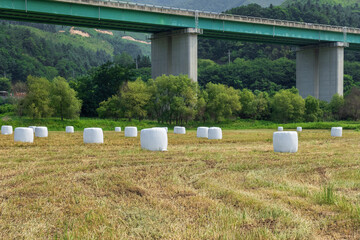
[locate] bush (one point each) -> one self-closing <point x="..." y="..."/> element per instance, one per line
<point x="7" y="108"/>
<point x="287" y="106"/>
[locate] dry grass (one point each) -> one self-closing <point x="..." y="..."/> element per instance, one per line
<point x="237" y="188"/>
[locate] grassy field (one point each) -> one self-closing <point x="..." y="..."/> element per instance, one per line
<point x="236" y="188"/>
<point x="55" y="124"/>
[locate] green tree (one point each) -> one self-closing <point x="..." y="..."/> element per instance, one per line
<point x="36" y="104"/>
<point x="64" y="100"/>
<point x="124" y="60"/>
<point x="247" y="102"/>
<point x="352" y="104"/>
<point x="261" y="106"/>
<point x="173" y="98"/>
<point x="110" y="108"/>
<point x="134" y="96"/>
<point x="287" y="106"/>
<point x="222" y="101"/>
<point x="336" y="106"/>
<point x="100" y="84"/>
<point x="312" y="109"/>
<point x="5" y="84"/>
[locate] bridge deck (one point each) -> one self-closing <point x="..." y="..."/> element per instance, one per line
<point x="125" y="16"/>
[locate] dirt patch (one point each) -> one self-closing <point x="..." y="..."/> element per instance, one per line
<point x="134" y="40"/>
<point x="78" y="32"/>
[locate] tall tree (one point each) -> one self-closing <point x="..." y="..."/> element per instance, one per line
<point x="36" y="104"/>
<point x="134" y="97"/>
<point x="64" y="100"/>
<point x="5" y="84"/>
<point x="222" y="101"/>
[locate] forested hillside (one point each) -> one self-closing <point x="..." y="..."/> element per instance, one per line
<point x="329" y="2"/>
<point x="49" y="50"/>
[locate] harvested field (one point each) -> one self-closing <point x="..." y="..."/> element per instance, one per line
<point x="235" y="188"/>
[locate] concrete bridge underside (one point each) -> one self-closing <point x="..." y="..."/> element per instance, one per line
<point x="319" y="68"/>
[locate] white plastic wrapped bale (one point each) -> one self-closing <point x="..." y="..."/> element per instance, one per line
<point x="131" y="132"/>
<point x="280" y="129"/>
<point x="285" y="142"/>
<point x="93" y="135"/>
<point x="202" y="132"/>
<point x="69" y="129"/>
<point x="336" y="132"/>
<point x="299" y="129"/>
<point x="41" y="132"/>
<point x="23" y="134"/>
<point x="154" y="139"/>
<point x="118" y="129"/>
<point x="6" y="130"/>
<point x="215" y="133"/>
<point x="33" y="128"/>
<point x="179" y="130"/>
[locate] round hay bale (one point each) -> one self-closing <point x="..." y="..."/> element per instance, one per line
<point x="23" y="134"/>
<point x="41" y="132"/>
<point x="285" y="142"/>
<point x="215" y="133"/>
<point x="280" y="129"/>
<point x="154" y="139"/>
<point x="179" y="130"/>
<point x="69" y="129"/>
<point x="336" y="131"/>
<point x="299" y="129"/>
<point x="131" y="131"/>
<point x="6" y="130"/>
<point x="117" y="129"/>
<point x="33" y="128"/>
<point x="202" y="132"/>
<point x="93" y="135"/>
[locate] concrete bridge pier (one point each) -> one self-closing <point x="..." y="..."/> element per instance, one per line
<point x="320" y="70"/>
<point x="175" y="53"/>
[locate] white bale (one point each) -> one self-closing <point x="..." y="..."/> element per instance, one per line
<point x="69" y="129"/>
<point x="215" y="133"/>
<point x="41" y="132"/>
<point x="154" y="139"/>
<point x="117" y="129"/>
<point x="299" y="129"/>
<point x="202" y="132"/>
<point x="165" y="128"/>
<point x="285" y="142"/>
<point x="6" y="130"/>
<point x="336" y="131"/>
<point x="93" y="135"/>
<point x="280" y="129"/>
<point x="131" y="131"/>
<point x="23" y="134"/>
<point x="179" y="130"/>
<point x="33" y="128"/>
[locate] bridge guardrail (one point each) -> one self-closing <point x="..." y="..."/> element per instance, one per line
<point x="226" y="16"/>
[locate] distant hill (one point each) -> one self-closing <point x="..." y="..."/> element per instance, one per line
<point x="329" y="2"/>
<point x="209" y="5"/>
<point x="50" y="50"/>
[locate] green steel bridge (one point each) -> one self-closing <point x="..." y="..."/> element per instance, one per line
<point x="117" y="15"/>
<point x="175" y="33"/>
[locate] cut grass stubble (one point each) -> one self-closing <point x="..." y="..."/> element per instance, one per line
<point x="236" y="188"/>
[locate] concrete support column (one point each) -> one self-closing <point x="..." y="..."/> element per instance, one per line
<point x="175" y="53"/>
<point x="320" y="70"/>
